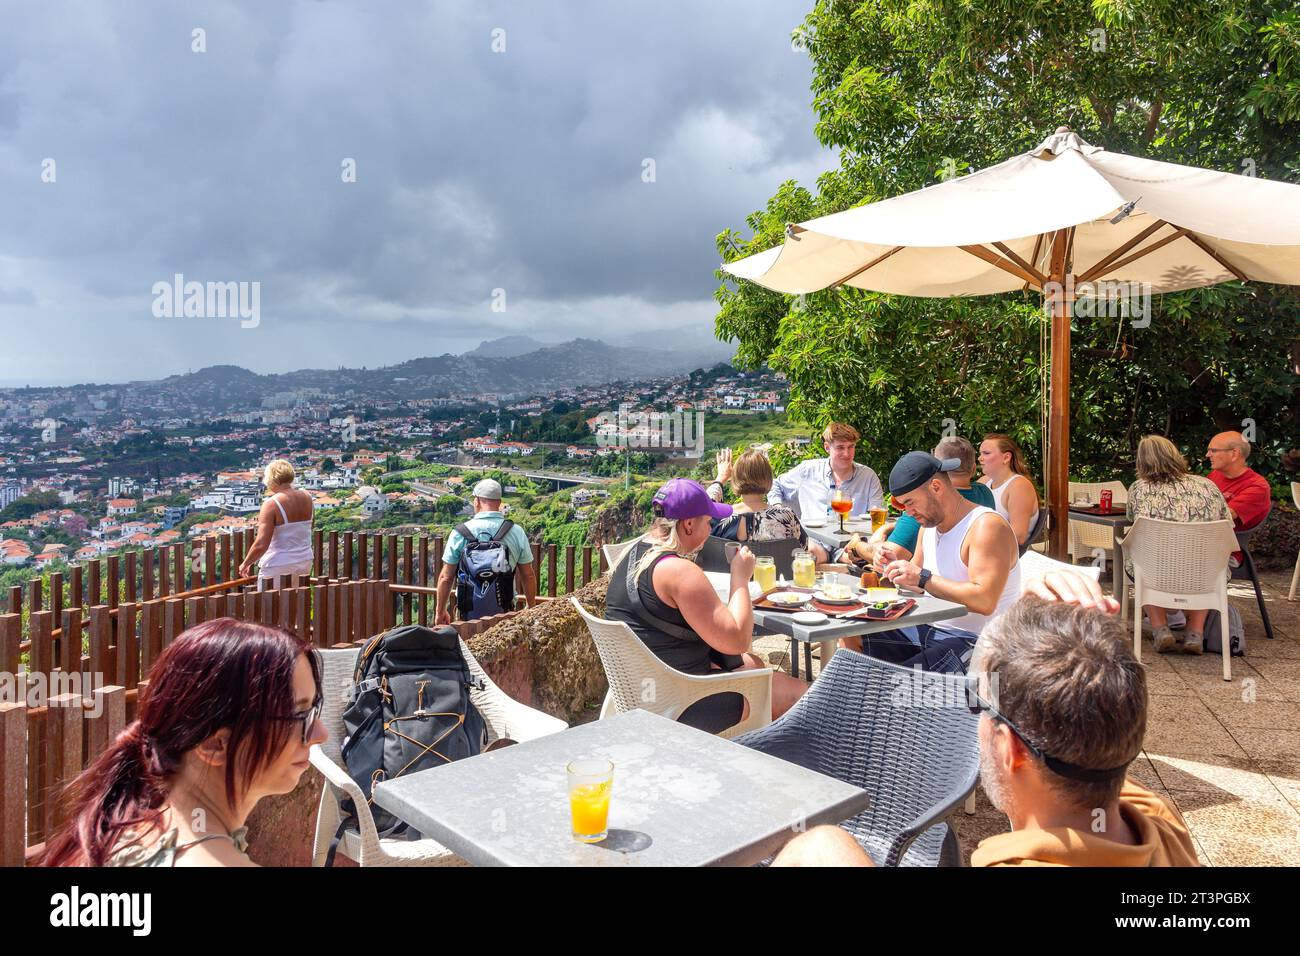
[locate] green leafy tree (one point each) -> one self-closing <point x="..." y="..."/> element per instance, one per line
<point x="28" y="505"/>
<point x="912" y="92"/>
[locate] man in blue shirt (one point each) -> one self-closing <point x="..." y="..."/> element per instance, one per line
<point x="485" y="523"/>
<point x="809" y="485"/>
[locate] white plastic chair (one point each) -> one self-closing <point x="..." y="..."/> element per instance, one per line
<point x="504" y="718"/>
<point x="639" y="679"/>
<point x="613" y="552"/>
<point x="1085" y="537"/>
<point x="1184" y="565"/>
<point x="1295" y="576"/>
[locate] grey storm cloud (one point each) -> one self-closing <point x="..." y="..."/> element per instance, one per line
<point x="476" y="169"/>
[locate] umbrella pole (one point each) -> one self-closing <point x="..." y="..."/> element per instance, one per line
<point x="1058" y="419"/>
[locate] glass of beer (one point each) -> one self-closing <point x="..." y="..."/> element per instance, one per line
<point x="878" y="518"/>
<point x="804" y="569"/>
<point x="841" y="504"/>
<point x="590" y="783"/>
<point x="765" y="572"/>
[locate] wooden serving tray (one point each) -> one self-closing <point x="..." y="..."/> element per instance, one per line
<point x="830" y="610"/>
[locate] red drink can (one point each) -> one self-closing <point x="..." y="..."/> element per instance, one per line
<point x="1105" y="500"/>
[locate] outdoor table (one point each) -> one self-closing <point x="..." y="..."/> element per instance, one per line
<point x="1116" y="522"/>
<point x="681" y="797"/>
<point x="929" y="610"/>
<point x="830" y="536"/>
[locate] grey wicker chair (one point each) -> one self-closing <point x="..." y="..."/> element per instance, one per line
<point x="877" y="726"/>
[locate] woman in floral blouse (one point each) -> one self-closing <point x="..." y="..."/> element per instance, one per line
<point x="1165" y="489"/>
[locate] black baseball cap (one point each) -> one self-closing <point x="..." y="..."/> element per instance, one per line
<point x="916" y="468"/>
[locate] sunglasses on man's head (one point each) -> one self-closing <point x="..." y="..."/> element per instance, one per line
<point x="978" y="705"/>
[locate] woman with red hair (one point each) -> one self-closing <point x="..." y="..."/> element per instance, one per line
<point x="230" y="712"/>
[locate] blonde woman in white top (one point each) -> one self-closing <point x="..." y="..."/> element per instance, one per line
<point x="283" y="544"/>
<point x="1007" y="476"/>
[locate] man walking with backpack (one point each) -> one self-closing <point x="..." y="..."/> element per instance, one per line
<point x="483" y="556"/>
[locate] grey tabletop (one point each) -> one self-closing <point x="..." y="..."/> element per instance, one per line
<point x="829" y="534"/>
<point x="928" y="610"/>
<point x="681" y="797"/>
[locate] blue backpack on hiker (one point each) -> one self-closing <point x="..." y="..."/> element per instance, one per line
<point x="485" y="578"/>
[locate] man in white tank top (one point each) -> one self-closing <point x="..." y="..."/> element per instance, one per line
<point x="967" y="554"/>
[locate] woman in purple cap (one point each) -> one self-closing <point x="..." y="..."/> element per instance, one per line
<point x="658" y="590"/>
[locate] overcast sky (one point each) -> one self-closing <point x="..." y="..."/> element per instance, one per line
<point x="476" y="170"/>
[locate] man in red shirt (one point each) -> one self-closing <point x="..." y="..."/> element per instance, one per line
<point x="1246" y="491"/>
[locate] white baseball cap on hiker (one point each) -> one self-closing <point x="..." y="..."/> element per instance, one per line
<point x="488" y="489"/>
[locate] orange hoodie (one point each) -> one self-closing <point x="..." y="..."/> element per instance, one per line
<point x="1162" y="835"/>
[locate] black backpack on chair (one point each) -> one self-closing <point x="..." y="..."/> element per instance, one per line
<point x="409" y="709"/>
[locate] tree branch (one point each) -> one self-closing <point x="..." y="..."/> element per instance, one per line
<point x="1153" y="121"/>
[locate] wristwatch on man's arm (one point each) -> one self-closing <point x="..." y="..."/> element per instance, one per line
<point x="924" y="578"/>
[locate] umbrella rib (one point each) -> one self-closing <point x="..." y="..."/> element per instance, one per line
<point x="1010" y="254"/>
<point x="1205" y="247"/>
<point x="1006" y="265"/>
<point x="1094" y="273"/>
<point x="1099" y="268"/>
<point x="874" y="262"/>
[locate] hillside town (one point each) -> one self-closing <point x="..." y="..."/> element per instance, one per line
<point x="88" y="471"/>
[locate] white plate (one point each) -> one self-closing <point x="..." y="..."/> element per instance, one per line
<point x="788" y="598"/>
<point x="809" y="617"/>
<point x="815" y="523"/>
<point x="820" y="595"/>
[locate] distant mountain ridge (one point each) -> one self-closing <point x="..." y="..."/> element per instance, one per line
<point x="508" y="346"/>
<point x="494" y="367"/>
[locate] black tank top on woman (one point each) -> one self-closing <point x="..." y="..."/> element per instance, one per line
<point x="688" y="655"/>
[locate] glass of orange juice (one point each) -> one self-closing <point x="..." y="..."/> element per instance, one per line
<point x="590" y="783"/>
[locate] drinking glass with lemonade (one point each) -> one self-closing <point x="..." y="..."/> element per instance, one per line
<point x="590" y="783"/>
<point x="804" y="569"/>
<point x="765" y="572"/>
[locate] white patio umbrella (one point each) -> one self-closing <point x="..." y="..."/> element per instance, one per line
<point x="1062" y="215"/>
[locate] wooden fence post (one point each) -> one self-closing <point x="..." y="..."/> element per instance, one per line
<point x="40" y="658"/>
<point x="126" y="649"/>
<point x="65" y="728"/>
<point x="13" y="780"/>
<point x="11" y="635"/>
<point x="105" y="720"/>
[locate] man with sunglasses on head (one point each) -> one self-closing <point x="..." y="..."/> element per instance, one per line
<point x="1063" y="706"/>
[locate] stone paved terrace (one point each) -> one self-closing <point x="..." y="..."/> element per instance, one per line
<point x="1229" y="763"/>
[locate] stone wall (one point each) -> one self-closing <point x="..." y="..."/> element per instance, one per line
<point x="542" y="657"/>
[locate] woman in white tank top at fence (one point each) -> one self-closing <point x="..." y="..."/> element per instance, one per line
<point x="1007" y="476"/>
<point x="283" y="544"/>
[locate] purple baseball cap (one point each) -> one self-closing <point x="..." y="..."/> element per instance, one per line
<point x="682" y="498"/>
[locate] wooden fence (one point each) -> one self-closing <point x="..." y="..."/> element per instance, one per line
<point x="74" y="657"/>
